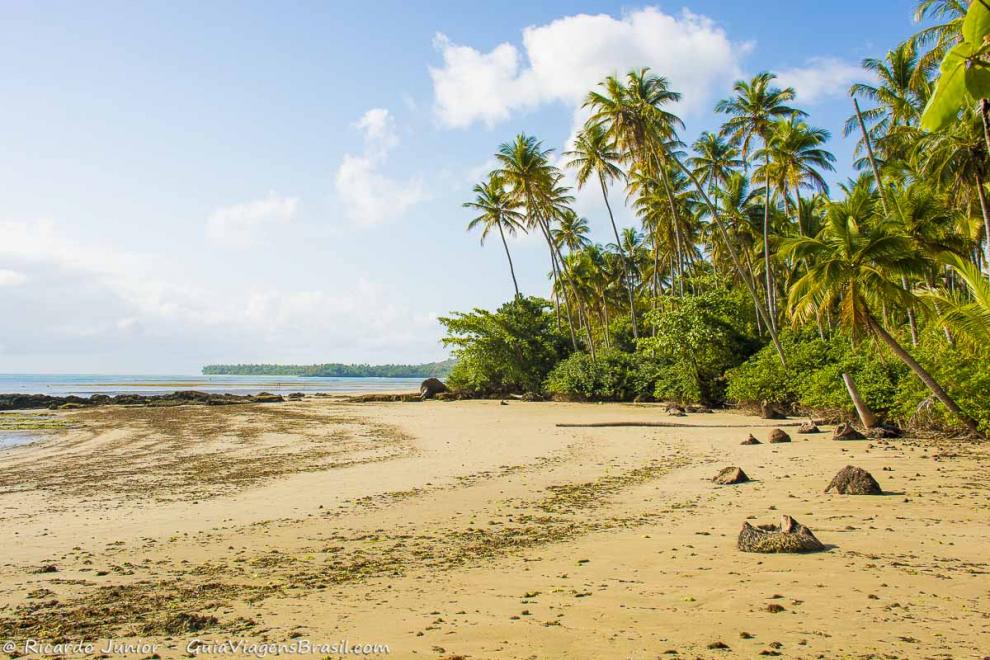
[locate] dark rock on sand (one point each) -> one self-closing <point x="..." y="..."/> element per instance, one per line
<point x="430" y="387"/>
<point x="778" y="435"/>
<point x="751" y="440"/>
<point x="788" y="536"/>
<point x="730" y="475"/>
<point x="846" y="432"/>
<point x="771" y="411"/>
<point x="852" y="480"/>
<point x="532" y="397"/>
<point x="881" y="432"/>
<point x="185" y="397"/>
<point x="809" y="427"/>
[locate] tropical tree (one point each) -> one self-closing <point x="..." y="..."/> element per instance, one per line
<point x="498" y="209"/>
<point x="753" y="111"/>
<point x="853" y="269"/>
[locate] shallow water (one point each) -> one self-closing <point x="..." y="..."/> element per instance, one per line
<point x="10" y="439"/>
<point x="87" y="384"/>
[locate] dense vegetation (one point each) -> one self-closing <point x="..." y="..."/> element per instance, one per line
<point x="748" y="279"/>
<point x="434" y="369"/>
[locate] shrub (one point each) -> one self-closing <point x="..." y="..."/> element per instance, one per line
<point x="610" y="377"/>
<point x="509" y="350"/>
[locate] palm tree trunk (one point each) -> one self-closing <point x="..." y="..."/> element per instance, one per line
<point x="925" y="377"/>
<point x="872" y="158"/>
<point x="865" y="414"/>
<point x="984" y="109"/>
<point x="508" y="256"/>
<point x="771" y="300"/>
<point x="982" y="194"/>
<point x="626" y="259"/>
<point x="750" y="285"/>
<point x="556" y="279"/>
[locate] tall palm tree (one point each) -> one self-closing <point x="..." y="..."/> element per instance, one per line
<point x="853" y="267"/>
<point x="714" y="160"/>
<point x="571" y="232"/>
<point x="942" y="36"/>
<point x="595" y="154"/>
<point x="498" y="209"/>
<point x="753" y="111"/>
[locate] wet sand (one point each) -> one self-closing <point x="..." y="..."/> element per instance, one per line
<point x="474" y="529"/>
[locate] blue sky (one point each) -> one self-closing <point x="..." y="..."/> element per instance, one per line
<point x="185" y="183"/>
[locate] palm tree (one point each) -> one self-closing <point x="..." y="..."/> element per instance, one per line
<point x="571" y="232"/>
<point x="852" y="267"/>
<point x="968" y="315"/>
<point x="753" y="110"/>
<point x="595" y="154"/>
<point x="942" y="36"/>
<point x="498" y="208"/>
<point x="714" y="160"/>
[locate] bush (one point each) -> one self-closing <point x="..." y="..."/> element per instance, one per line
<point x="509" y="350"/>
<point x="610" y="377"/>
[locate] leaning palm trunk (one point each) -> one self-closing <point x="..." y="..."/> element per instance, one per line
<point x="508" y="256"/>
<point x="750" y="286"/>
<point x="982" y="194"/>
<point x="922" y="374"/>
<point x="556" y="280"/>
<point x="865" y="414"/>
<point x="626" y="260"/>
<point x="771" y="300"/>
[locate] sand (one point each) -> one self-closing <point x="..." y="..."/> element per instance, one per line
<point x="481" y="530"/>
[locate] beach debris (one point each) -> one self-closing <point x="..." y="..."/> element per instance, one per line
<point x="809" y="427"/>
<point x="852" y="480"/>
<point x="674" y="410"/>
<point x="779" y="435"/>
<point x="532" y="397"/>
<point x="770" y="410"/>
<point x="699" y="409"/>
<point x="751" y="440"/>
<point x="180" y="398"/>
<point x="719" y="646"/>
<point x="775" y="608"/>
<point x="881" y="432"/>
<point x="183" y="622"/>
<point x="46" y="568"/>
<point x="730" y="475"/>
<point x="503" y="402"/>
<point x="430" y="387"/>
<point x="788" y="536"/>
<point x="846" y="432"/>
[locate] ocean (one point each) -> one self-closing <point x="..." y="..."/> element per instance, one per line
<point x="87" y="384"/>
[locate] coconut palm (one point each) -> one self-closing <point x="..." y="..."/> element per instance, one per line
<point x="714" y="160"/>
<point x="571" y="232"/>
<point x="942" y="36"/>
<point x="595" y="155"/>
<point x="752" y="112"/>
<point x="853" y="266"/>
<point x="967" y="314"/>
<point x="498" y="209"/>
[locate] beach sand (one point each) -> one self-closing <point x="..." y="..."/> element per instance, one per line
<point x="481" y="530"/>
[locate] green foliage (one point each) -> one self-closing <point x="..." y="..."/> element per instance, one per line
<point x="696" y="339"/>
<point x="609" y="377"/>
<point x="510" y="350"/>
<point x="333" y="370"/>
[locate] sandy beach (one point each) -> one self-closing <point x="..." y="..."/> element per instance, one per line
<point x="479" y="530"/>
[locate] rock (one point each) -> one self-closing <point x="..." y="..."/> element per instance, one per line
<point x="730" y="475"/>
<point x="267" y="397"/>
<point x="71" y="406"/>
<point x="778" y="435"/>
<point x="503" y="403"/>
<point x="699" y="409"/>
<point x="881" y="432"/>
<point x="531" y="397"/>
<point x="295" y="396"/>
<point x="430" y="387"/>
<point x="789" y="536"/>
<point x="846" y="432"/>
<point x="854" y="481"/>
<point x="675" y="410"/>
<point x="809" y="427"/>
<point x="47" y="568"/>
<point x="771" y="411"/>
<point x="751" y="440"/>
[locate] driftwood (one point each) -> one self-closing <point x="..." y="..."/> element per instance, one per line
<point x="789" y="536"/>
<point x="593" y="425"/>
<point x="854" y="481"/>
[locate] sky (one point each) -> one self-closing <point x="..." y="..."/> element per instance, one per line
<point x="187" y="183"/>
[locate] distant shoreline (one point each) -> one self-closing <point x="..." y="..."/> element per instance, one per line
<point x="333" y="370"/>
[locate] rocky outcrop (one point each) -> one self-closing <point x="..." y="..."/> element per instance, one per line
<point x="846" y="432"/>
<point x="808" y="428"/>
<point x="770" y="410"/>
<point x="883" y="432"/>
<point x="852" y="480"/>
<point x="778" y="435"/>
<point x="187" y="397"/>
<point x="431" y="387"/>
<point x="751" y="440"/>
<point x="730" y="475"/>
<point x="788" y="536"/>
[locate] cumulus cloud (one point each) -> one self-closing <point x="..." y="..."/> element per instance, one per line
<point x="562" y="60"/>
<point x="242" y="224"/>
<point x="821" y="78"/>
<point x="11" y="277"/>
<point x="369" y="196"/>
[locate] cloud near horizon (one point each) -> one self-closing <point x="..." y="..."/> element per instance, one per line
<point x="368" y="196"/>
<point x="565" y="58"/>
<point x="821" y="78"/>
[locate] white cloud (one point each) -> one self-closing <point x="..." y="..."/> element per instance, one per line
<point x="821" y="78"/>
<point x="567" y="57"/>
<point x="370" y="197"/>
<point x="11" y="277"/>
<point x="241" y="224"/>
